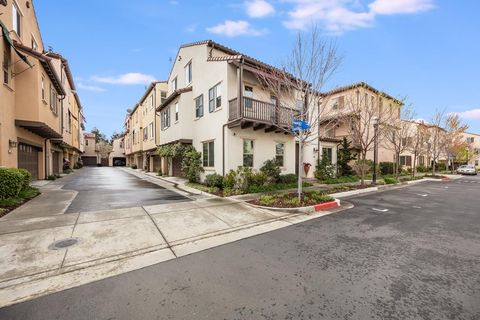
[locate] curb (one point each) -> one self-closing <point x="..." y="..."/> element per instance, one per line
<point x="327" y="205"/>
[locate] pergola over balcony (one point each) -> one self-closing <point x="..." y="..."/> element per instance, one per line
<point x="259" y="115"/>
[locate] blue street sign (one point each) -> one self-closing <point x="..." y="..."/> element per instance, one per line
<point x="298" y="125"/>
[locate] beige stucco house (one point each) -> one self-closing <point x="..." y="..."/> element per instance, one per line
<point x="216" y="103"/>
<point x="32" y="95"/>
<point x="90" y="156"/>
<point x="142" y="127"/>
<point x="472" y="141"/>
<point x="117" y="156"/>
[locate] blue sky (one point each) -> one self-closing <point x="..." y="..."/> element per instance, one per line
<point x="425" y="50"/>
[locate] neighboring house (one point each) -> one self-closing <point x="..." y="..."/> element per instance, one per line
<point x="473" y="148"/>
<point x="216" y="103"/>
<point x="117" y="158"/>
<point x="142" y="128"/>
<point x="90" y="156"/>
<point x="31" y="95"/>
<point x="349" y="101"/>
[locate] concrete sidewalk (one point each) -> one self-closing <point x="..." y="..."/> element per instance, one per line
<point x="111" y="242"/>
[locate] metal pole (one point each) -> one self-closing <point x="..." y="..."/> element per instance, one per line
<point x="375" y="154"/>
<point x="300" y="165"/>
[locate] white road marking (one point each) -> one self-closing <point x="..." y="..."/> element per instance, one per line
<point x="381" y="210"/>
<point x="422" y="195"/>
<point x="416" y="207"/>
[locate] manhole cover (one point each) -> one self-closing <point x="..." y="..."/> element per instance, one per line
<point x="64" y="243"/>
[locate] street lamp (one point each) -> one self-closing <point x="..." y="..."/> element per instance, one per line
<point x="375" y="149"/>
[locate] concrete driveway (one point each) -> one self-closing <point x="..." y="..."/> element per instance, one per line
<point x="407" y="253"/>
<point x="103" y="188"/>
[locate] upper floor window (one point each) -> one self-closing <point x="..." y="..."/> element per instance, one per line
<point x="145" y="133"/>
<point x="338" y="103"/>
<point x="6" y="66"/>
<point x="248" y="93"/>
<point x="151" y="100"/>
<point x="165" y="118"/>
<point x="199" y="106"/>
<point x="53" y="100"/>
<point x="163" y="96"/>
<point x="188" y="73"/>
<point x="174" y="84"/>
<point x="150" y="130"/>
<point x="214" y="98"/>
<point x="176" y="111"/>
<point x="16" y="19"/>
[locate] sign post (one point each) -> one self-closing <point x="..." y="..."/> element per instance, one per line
<point x="298" y="128"/>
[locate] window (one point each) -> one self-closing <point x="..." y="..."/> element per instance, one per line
<point x="53" y="100"/>
<point x="199" y="106"/>
<point x="470" y="139"/>
<point x="86" y="142"/>
<point x="405" y="160"/>
<point x="248" y="153"/>
<point x="145" y="133"/>
<point x="299" y="104"/>
<point x="248" y="93"/>
<point x="133" y="137"/>
<point x="476" y="163"/>
<point x="174" y="84"/>
<point x="280" y="154"/>
<point x="176" y="112"/>
<point x="327" y="152"/>
<point x="421" y="160"/>
<point x="43" y="87"/>
<point x="6" y="67"/>
<point x="16" y="19"/>
<point x="188" y="73"/>
<point x="330" y="132"/>
<point x="208" y="154"/>
<point x="165" y="119"/>
<point x="151" y="100"/>
<point x="150" y="130"/>
<point x="214" y="98"/>
<point x="273" y="100"/>
<point x="163" y="96"/>
<point x="34" y="44"/>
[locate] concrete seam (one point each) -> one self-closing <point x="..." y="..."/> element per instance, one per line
<point x="159" y="231"/>
<point x="71" y="235"/>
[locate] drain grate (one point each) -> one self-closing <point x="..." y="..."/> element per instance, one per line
<point x="64" y="243"/>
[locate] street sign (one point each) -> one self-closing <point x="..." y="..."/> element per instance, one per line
<point x="298" y="125"/>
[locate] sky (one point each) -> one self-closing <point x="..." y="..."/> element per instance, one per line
<point x="427" y="51"/>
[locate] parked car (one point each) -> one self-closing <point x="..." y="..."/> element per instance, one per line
<point x="467" y="169"/>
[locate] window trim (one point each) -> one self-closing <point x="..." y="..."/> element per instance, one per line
<point x="17" y="16"/>
<point x="252" y="154"/>
<point x="189" y="77"/>
<point x="208" y="158"/>
<point x="282" y="165"/>
<point x="199" y="107"/>
<point x="6" y="66"/>
<point x="214" y="100"/>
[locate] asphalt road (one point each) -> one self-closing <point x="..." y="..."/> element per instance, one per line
<point x="102" y="188"/>
<point x="410" y="253"/>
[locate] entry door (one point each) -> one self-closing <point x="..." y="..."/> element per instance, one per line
<point x="28" y="159"/>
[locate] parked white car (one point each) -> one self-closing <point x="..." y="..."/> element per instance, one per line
<point x="467" y="169"/>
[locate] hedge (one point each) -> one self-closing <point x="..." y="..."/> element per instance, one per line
<point x="12" y="181"/>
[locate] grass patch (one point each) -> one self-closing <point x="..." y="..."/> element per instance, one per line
<point x="344" y="179"/>
<point x="8" y="204"/>
<point x="290" y="200"/>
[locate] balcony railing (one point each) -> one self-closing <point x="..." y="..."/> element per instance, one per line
<point x="260" y="112"/>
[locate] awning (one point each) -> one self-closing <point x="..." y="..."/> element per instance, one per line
<point x="39" y="128"/>
<point x="6" y="35"/>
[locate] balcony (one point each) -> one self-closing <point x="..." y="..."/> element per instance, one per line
<point x="259" y="115"/>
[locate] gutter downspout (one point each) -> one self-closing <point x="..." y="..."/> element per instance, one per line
<point x="223" y="148"/>
<point x="45" y="153"/>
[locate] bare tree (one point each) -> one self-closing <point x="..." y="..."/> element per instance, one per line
<point x="419" y="145"/>
<point x="454" y="143"/>
<point x="437" y="138"/>
<point x="104" y="149"/>
<point x="362" y="114"/>
<point x="298" y="84"/>
<point x="398" y="135"/>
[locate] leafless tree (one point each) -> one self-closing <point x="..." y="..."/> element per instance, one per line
<point x="437" y="138"/>
<point x="298" y="83"/>
<point x="419" y="145"/>
<point x="398" y="135"/>
<point x="454" y="142"/>
<point x="362" y="113"/>
<point x="104" y="149"/>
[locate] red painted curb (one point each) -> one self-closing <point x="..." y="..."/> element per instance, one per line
<point x="326" y="205"/>
<point x="445" y="179"/>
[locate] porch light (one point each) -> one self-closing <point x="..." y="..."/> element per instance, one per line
<point x="12" y="144"/>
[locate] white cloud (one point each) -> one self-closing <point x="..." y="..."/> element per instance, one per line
<point x="338" y="16"/>
<point x="259" y="8"/>
<point x="90" y="87"/>
<point x="472" y="114"/>
<point x="400" y="6"/>
<point x="191" y="28"/>
<point x="236" y="28"/>
<point x="127" y="78"/>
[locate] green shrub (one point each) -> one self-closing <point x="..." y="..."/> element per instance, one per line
<point x="343" y="179"/>
<point x="214" y="180"/>
<point x="422" y="168"/>
<point x="271" y="169"/>
<point x="67" y="171"/>
<point x="389" y="180"/>
<point x="78" y="165"/>
<point x="441" y="166"/>
<point x="52" y="177"/>
<point x="133" y="166"/>
<point x="288" y="178"/>
<point x="159" y="173"/>
<point x="325" y="170"/>
<point x="27" y="178"/>
<point x="345" y="156"/>
<point x="267" y="200"/>
<point x="386" y="167"/>
<point x="192" y="165"/>
<point x="230" y="180"/>
<point x="12" y="182"/>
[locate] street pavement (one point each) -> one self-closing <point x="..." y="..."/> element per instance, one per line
<point x="407" y="253"/>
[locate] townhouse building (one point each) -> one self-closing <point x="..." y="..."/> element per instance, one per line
<point x="32" y="94"/>
<point x="217" y="103"/>
<point x="142" y="129"/>
<point x="472" y="141"/>
<point x="90" y="155"/>
<point x="362" y="105"/>
<point x="117" y="158"/>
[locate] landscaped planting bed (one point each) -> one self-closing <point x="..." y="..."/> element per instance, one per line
<point x="290" y="200"/>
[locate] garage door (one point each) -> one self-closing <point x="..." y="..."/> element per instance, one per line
<point x="28" y="159"/>
<point x="56" y="162"/>
<point x="89" y="161"/>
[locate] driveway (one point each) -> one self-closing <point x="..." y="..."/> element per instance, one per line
<point x="103" y="188"/>
<point x="409" y="253"/>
